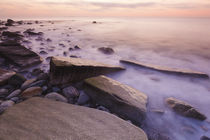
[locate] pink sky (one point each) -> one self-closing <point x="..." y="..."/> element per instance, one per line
<point x="110" y="8"/>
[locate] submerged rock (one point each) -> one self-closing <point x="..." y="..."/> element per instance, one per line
<point x="184" y="109"/>
<point x="167" y="70"/>
<point x="18" y="54"/>
<point x="106" y="50"/>
<point x="42" y="119"/>
<point x="120" y="99"/>
<point x="64" y="70"/>
<point x="5" y="76"/>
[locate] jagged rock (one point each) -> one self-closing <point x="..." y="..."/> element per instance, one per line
<point x="18" y="54"/>
<point x="5" y="75"/>
<point x="106" y="50"/>
<point x="32" y="91"/>
<point x="14" y="94"/>
<point x="167" y="69"/>
<point x="184" y="109"/>
<point x="64" y="70"/>
<point x="57" y="97"/>
<point x="16" y="80"/>
<point x="39" y="118"/>
<point x="120" y="99"/>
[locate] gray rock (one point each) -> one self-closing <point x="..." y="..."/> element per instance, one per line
<point x="7" y="104"/>
<point x="65" y="70"/>
<point x="14" y="94"/>
<point x="5" y="75"/>
<point x="126" y="102"/>
<point x="83" y="98"/>
<point x="103" y="108"/>
<point x="205" y="138"/>
<point x="15" y="99"/>
<point x="39" y="83"/>
<point x="4" y="92"/>
<point x="27" y="84"/>
<point x="184" y="109"/>
<point x="167" y="69"/>
<point x="70" y="92"/>
<point x="57" y="97"/>
<point x="48" y="119"/>
<point x="43" y="76"/>
<point x="56" y="89"/>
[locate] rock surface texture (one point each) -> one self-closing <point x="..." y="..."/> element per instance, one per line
<point x="64" y="70"/>
<point x="5" y="75"/>
<point x="120" y="99"/>
<point x="184" y="109"/>
<point x="167" y="69"/>
<point x="42" y="119"/>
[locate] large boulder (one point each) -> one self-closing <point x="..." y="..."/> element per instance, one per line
<point x="184" y="109"/>
<point x="18" y="54"/>
<point x="120" y="99"/>
<point x="167" y="69"/>
<point x="64" y="70"/>
<point x="5" y="76"/>
<point x="42" y="119"/>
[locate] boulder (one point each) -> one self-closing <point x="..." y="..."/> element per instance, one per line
<point x="167" y="69"/>
<point x="184" y="109"/>
<point x="120" y="99"/>
<point x="42" y="119"/>
<point x="13" y="35"/>
<point x="32" y="91"/>
<point x="64" y="70"/>
<point x="5" y="76"/>
<point x="57" y="97"/>
<point x="17" y="80"/>
<point x="106" y="50"/>
<point x="18" y="54"/>
<point x="10" y="22"/>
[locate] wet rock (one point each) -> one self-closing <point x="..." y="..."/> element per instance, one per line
<point x="18" y="54"/>
<point x="14" y="94"/>
<point x="12" y="34"/>
<point x="57" y="97"/>
<point x="184" y="109"/>
<point x="3" y="28"/>
<point x="76" y="47"/>
<point x="70" y="92"/>
<point x="42" y="52"/>
<point x="45" y="117"/>
<point x="62" y="45"/>
<point x="3" y="92"/>
<point x="43" y="76"/>
<point x="74" y="56"/>
<point x="64" y="70"/>
<point x="37" y="71"/>
<point x="120" y="99"/>
<point x="27" y="84"/>
<point x="94" y="22"/>
<point x="32" y="91"/>
<point x="65" y="53"/>
<point x="106" y="50"/>
<point x="5" y="75"/>
<point x="39" y="83"/>
<point x="7" y="104"/>
<point x="10" y="22"/>
<point x="102" y="108"/>
<point x="83" y="98"/>
<point x="17" y="80"/>
<point x="49" y="40"/>
<point x="31" y="32"/>
<point x="56" y="89"/>
<point x="205" y="138"/>
<point x="20" y="22"/>
<point x="15" y="99"/>
<point x="166" y="69"/>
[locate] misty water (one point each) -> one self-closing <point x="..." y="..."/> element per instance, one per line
<point x="175" y="43"/>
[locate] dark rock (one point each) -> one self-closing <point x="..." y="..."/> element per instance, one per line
<point x="102" y="108"/>
<point x="184" y="109"/>
<point x="56" y="89"/>
<point x="205" y="138"/>
<point x="39" y="83"/>
<point x="166" y="69"/>
<point x="17" y="80"/>
<point x="106" y="50"/>
<point x="83" y="98"/>
<point x="14" y="94"/>
<point x="32" y="33"/>
<point x="3" y="92"/>
<point x="12" y="34"/>
<point x="120" y="99"/>
<point x="3" y="28"/>
<point x="10" y="22"/>
<point x="49" y="40"/>
<point x="20" y="22"/>
<point x="65" y="53"/>
<point x="43" y="52"/>
<point x="71" y="49"/>
<point x="37" y="71"/>
<point x="57" y="97"/>
<point x="18" y="54"/>
<point x="94" y="22"/>
<point x="74" y="56"/>
<point x="15" y="99"/>
<point x="32" y="91"/>
<point x="43" y="76"/>
<point x="70" y="92"/>
<point x="64" y="70"/>
<point x="5" y="75"/>
<point x="47" y="119"/>
<point x="76" y="47"/>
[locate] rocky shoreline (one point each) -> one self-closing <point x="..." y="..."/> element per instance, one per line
<point x="75" y="81"/>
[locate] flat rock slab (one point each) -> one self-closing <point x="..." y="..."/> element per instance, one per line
<point x="167" y="69"/>
<point x="43" y="119"/>
<point x="120" y="99"/>
<point x="184" y="109"/>
<point x="64" y="69"/>
<point x="18" y="54"/>
<point x="5" y="75"/>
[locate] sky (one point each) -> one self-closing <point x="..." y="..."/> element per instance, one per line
<point x="103" y="8"/>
